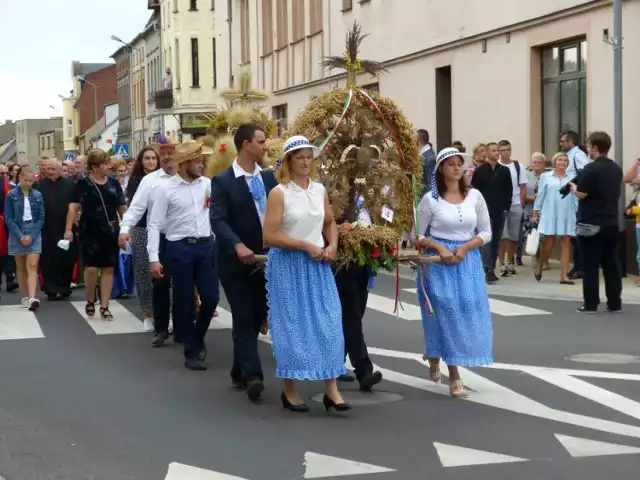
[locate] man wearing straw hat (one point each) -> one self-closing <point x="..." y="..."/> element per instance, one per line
<point x="139" y="211"/>
<point x="181" y="209"/>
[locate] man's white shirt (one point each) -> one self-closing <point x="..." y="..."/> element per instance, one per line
<point x="181" y="209"/>
<point x="577" y="161"/>
<point x="143" y="199"/>
<point x="238" y="171"/>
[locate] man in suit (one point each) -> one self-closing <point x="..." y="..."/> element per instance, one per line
<point x="238" y="201"/>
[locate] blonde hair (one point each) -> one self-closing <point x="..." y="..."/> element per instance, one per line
<point x="557" y="156"/>
<point x="539" y="156"/>
<point x="26" y="170"/>
<point x="283" y="173"/>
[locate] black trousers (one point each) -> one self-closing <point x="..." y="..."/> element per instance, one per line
<point x="247" y="298"/>
<point x="490" y="251"/>
<point x="601" y="250"/>
<point x="7" y="269"/>
<point x="162" y="300"/>
<point x="577" y="257"/>
<point x="353" y="288"/>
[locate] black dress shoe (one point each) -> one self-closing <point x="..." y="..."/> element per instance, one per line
<point x="238" y="383"/>
<point x="159" y="338"/>
<point x="195" y="364"/>
<point x="346" y="377"/>
<point x="254" y="390"/>
<point x="329" y="404"/>
<point x="203" y="353"/>
<point x="368" y="380"/>
<point x="287" y="405"/>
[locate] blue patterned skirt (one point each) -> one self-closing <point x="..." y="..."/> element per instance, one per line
<point x="461" y="331"/>
<point x="305" y="317"/>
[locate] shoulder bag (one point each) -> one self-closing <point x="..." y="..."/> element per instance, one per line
<point x="112" y="225"/>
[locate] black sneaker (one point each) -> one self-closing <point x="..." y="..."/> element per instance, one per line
<point x="584" y="309"/>
<point x="614" y="310"/>
<point x="254" y="389"/>
<point x="195" y="364"/>
<point x="159" y="339"/>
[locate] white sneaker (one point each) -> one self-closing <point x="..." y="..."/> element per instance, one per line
<point x="34" y="303"/>
<point x="170" y="329"/>
<point x="148" y="325"/>
<point x="24" y="303"/>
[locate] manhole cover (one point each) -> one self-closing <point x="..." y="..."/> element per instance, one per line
<point x="610" y="358"/>
<point x="360" y="399"/>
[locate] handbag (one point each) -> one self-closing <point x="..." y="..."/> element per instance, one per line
<point x="587" y="230"/>
<point x="533" y="242"/>
<point x="112" y="225"/>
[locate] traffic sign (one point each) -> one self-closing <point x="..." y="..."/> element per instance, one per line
<point x="68" y="156"/>
<point x="122" y="150"/>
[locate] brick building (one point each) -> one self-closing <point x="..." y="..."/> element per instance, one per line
<point x="99" y="89"/>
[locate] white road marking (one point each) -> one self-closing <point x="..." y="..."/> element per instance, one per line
<point x="178" y="471"/>
<point x="567" y="371"/>
<point x="486" y="392"/>
<point x="385" y="305"/>
<point x="502" y="308"/>
<point x="222" y="321"/>
<point x="123" y="320"/>
<point x="583" y="447"/>
<point x="453" y="456"/>
<point x="589" y="391"/>
<point x="17" y="323"/>
<point x="324" y="466"/>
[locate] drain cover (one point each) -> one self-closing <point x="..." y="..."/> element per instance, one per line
<point x="610" y="358"/>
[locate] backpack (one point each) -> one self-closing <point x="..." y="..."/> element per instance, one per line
<point x="517" y="172"/>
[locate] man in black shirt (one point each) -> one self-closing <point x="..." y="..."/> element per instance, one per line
<point x="494" y="183"/>
<point x="598" y="189"/>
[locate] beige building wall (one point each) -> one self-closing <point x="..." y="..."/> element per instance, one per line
<point x="52" y="144"/>
<point x="493" y="48"/>
<point x="185" y="29"/>
<point x="138" y="76"/>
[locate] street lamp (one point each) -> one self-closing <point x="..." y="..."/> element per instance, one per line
<point x="95" y="96"/>
<point x="129" y="48"/>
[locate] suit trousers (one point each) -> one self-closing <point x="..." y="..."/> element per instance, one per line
<point x="601" y="250"/>
<point x="162" y="296"/>
<point x="490" y="250"/>
<point x="247" y="296"/>
<point x="352" y="282"/>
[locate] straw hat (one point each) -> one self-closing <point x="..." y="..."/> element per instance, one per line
<point x="163" y="145"/>
<point x="190" y="150"/>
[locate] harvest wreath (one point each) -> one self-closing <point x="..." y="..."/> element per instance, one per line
<point x="369" y="156"/>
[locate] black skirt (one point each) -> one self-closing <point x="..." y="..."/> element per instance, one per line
<point x="98" y="244"/>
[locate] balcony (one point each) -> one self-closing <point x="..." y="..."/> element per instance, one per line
<point x="164" y="99"/>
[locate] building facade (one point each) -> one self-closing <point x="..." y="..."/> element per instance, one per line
<point x="28" y="138"/>
<point x="70" y="117"/>
<point x="139" y="89"/>
<point x="52" y="143"/>
<point x="153" y="72"/>
<point x="122" y="58"/>
<point x="195" y="39"/>
<point x="466" y="70"/>
<point x="98" y="89"/>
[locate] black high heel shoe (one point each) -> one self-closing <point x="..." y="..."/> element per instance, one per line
<point x="329" y="404"/>
<point x="287" y="405"/>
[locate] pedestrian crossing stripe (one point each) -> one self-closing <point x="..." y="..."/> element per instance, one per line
<point x="18" y="323"/>
<point x="498" y="307"/>
<point x="123" y="320"/>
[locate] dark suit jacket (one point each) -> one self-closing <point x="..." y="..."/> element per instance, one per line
<point x="234" y="220"/>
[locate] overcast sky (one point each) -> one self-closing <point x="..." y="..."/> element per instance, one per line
<point x="40" y="39"/>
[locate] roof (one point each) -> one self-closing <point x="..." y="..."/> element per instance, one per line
<point x="82" y="69"/>
<point x="8" y="150"/>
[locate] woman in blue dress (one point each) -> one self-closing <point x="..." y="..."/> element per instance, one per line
<point x="556" y="216"/>
<point x="453" y="294"/>
<point x="24" y="216"/>
<point x="305" y="316"/>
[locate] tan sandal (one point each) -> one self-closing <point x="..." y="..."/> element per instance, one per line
<point x="457" y="389"/>
<point x="434" y="374"/>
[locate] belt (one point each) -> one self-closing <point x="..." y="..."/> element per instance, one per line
<point x="197" y="240"/>
<point x="27" y="221"/>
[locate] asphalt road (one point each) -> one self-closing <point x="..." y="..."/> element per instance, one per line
<point x="81" y="401"/>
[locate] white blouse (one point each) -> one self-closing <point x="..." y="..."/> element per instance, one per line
<point x="27" y="216"/>
<point x="303" y="216"/>
<point x="459" y="222"/>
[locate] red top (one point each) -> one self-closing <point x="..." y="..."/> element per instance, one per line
<point x="3" y="228"/>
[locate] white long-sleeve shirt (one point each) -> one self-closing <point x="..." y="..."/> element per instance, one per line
<point x="143" y="199"/>
<point x="181" y="209"/>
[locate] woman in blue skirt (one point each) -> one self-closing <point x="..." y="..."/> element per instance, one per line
<point x="453" y="293"/>
<point x="305" y="316"/>
<point x="24" y="216"/>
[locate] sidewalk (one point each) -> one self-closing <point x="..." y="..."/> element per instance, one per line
<point x="524" y="284"/>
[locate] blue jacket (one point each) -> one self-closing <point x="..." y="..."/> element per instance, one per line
<point x="14" y="210"/>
